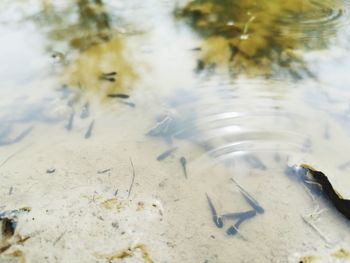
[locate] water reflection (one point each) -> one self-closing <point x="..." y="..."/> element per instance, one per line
<point x="84" y="37"/>
<point x="261" y="38"/>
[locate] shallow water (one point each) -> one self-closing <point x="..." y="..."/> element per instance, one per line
<point x="120" y="120"/>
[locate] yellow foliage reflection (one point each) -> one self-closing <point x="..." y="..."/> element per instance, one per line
<point x="106" y="57"/>
<point x="255" y="37"/>
<point x="89" y="33"/>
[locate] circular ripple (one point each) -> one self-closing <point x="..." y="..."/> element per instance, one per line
<point x="319" y="20"/>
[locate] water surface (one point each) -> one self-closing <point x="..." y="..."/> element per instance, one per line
<point x="121" y="119"/>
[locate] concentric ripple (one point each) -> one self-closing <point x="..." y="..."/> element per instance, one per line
<point x="245" y="119"/>
<point x="318" y="19"/>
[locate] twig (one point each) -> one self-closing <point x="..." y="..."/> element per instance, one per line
<point x="133" y="178"/>
<point x="13" y="154"/>
<point x="59" y="238"/>
<point x="315" y="228"/>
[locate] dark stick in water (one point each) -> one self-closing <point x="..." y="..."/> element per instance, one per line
<point x="89" y="130"/>
<point x="166" y="154"/>
<point x="133" y="178"/>
<point x="217" y="219"/>
<point x="183" y="163"/>
<point x="254" y="162"/>
<point x="342" y="205"/>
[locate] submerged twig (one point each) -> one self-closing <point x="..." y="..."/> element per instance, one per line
<point x="59" y="238"/>
<point x="13" y="154"/>
<point x="315" y="228"/>
<point x="133" y="178"/>
<point x="341" y="204"/>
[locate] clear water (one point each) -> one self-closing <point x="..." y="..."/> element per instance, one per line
<point x="102" y="103"/>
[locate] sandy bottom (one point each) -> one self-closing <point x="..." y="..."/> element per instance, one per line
<point x="107" y="199"/>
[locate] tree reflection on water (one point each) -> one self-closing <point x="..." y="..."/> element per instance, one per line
<point x="260" y="37"/>
<point x="87" y="30"/>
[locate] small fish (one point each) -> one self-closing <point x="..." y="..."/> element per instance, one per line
<point x="277" y="157"/>
<point x="254" y="162"/>
<point x="111" y="79"/>
<point x="104" y="171"/>
<point x="234" y="51"/>
<point x="327" y="133"/>
<point x="161" y="128"/>
<point x="200" y="66"/>
<point x="89" y="130"/>
<point x="51" y="170"/>
<point x="307" y="146"/>
<point x="239" y="215"/>
<point x="58" y="57"/>
<point x="69" y="125"/>
<point x="251" y="201"/>
<point x="113" y="73"/>
<point x="108" y="76"/>
<point x="217" y="219"/>
<point x="118" y="95"/>
<point x="85" y="111"/>
<point x="232" y="230"/>
<point x="131" y="104"/>
<point x="166" y="154"/>
<point x="11" y="190"/>
<point x="183" y="163"/>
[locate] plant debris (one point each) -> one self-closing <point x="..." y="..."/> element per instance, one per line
<point x="133" y="178"/>
<point x="341" y="253"/>
<point x="112" y="203"/>
<point x="127" y="253"/>
<point x="341" y="204"/>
